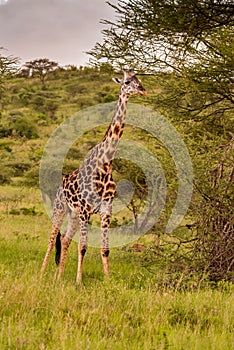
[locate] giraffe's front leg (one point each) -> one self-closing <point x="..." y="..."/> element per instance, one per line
<point x="105" y="215"/>
<point x="82" y="246"/>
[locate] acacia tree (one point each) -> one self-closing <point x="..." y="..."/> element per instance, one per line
<point x="189" y="37"/>
<point x="8" y="66"/>
<point x="41" y="67"/>
<point x="188" y="46"/>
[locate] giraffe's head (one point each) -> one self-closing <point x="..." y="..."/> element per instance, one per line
<point x="130" y="85"/>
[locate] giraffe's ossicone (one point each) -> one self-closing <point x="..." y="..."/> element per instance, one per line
<point x="91" y="188"/>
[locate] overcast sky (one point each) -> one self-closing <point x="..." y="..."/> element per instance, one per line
<point x="61" y="30"/>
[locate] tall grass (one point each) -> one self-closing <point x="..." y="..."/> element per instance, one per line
<point x="129" y="311"/>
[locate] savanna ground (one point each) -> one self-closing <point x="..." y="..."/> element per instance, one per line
<point x="131" y="310"/>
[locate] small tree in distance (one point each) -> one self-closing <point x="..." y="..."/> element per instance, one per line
<point x="41" y="67"/>
<point x="8" y="66"/>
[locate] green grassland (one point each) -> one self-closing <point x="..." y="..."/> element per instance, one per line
<point x="144" y="304"/>
<point x="129" y="311"/>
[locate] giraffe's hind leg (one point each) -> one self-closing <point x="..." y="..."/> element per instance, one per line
<point x="83" y="244"/>
<point x="105" y="216"/>
<point x="59" y="213"/>
<point x="66" y="239"/>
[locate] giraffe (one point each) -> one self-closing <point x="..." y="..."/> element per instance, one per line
<point x="91" y="188"/>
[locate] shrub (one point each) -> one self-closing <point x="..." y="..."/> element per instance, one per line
<point x="25" y="127"/>
<point x="5" y="177"/>
<point x="109" y="98"/>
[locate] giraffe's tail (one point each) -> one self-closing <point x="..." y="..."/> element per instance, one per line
<point x="58" y="248"/>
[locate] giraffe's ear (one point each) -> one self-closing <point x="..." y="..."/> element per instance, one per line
<point x="117" y="80"/>
<point x="128" y="74"/>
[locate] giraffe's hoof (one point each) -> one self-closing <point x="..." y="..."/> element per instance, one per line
<point x="79" y="281"/>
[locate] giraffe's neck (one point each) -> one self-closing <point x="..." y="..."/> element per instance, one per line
<point x="120" y="112"/>
<point x="103" y="153"/>
<point x="115" y="129"/>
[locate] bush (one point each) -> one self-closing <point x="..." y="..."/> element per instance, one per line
<point x="5" y="177"/>
<point x="109" y="98"/>
<point x="31" y="177"/>
<point x="25" y="127"/>
<point x="17" y="125"/>
<point x="75" y="89"/>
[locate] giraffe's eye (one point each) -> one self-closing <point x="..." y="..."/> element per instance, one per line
<point x="127" y="82"/>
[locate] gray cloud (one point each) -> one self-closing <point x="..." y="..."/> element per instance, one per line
<point x="61" y="30"/>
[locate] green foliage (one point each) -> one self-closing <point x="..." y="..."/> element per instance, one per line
<point x="24" y="127"/>
<point x="19" y="126"/>
<point x="75" y="88"/>
<point x="31" y="177"/>
<point x="184" y="36"/>
<point x="216" y="226"/>
<point x="108" y="98"/>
